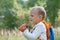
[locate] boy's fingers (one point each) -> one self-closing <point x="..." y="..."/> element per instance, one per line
<point x="23" y="27"/>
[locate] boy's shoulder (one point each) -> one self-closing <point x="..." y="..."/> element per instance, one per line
<point x="40" y="25"/>
<point x="45" y="24"/>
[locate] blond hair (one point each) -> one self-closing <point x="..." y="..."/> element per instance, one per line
<point x="41" y="10"/>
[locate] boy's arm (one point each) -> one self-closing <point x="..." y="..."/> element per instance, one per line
<point x="36" y="33"/>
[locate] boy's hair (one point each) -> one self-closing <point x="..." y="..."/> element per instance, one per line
<point x="40" y="10"/>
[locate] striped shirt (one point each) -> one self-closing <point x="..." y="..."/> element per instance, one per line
<point x="39" y="30"/>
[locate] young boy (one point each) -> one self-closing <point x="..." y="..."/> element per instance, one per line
<point x="37" y="15"/>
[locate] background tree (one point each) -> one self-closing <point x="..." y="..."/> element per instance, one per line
<point x="8" y="10"/>
<point x="15" y="12"/>
<point x="52" y="7"/>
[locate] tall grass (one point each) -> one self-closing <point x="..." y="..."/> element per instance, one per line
<point x="11" y="35"/>
<point x="17" y="35"/>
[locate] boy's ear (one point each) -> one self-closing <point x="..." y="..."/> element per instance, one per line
<point x="40" y="16"/>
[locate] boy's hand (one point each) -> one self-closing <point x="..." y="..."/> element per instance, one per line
<point x="23" y="27"/>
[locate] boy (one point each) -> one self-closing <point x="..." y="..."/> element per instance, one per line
<point x="37" y="15"/>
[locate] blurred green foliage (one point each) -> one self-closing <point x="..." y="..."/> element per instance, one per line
<point x="13" y="13"/>
<point x="52" y="8"/>
<point x="9" y="15"/>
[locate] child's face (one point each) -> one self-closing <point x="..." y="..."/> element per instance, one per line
<point x="35" y="17"/>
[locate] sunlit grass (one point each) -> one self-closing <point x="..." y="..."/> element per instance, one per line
<point x="57" y="37"/>
<point x="13" y="37"/>
<point x="16" y="35"/>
